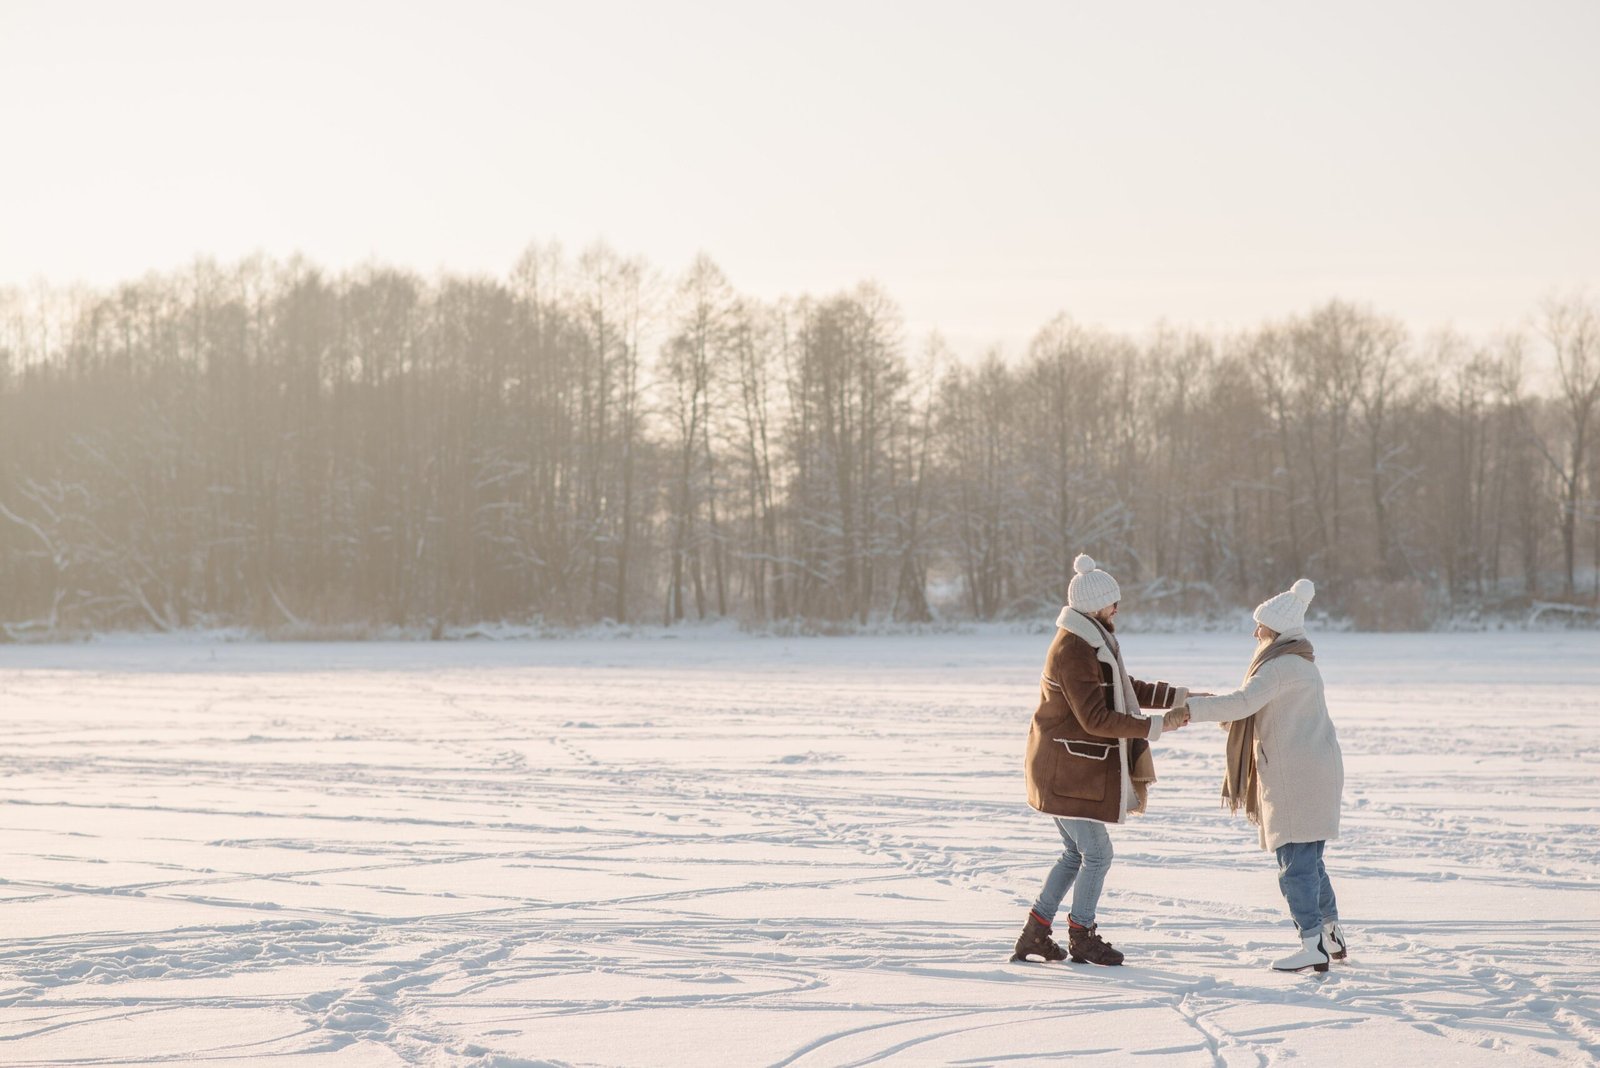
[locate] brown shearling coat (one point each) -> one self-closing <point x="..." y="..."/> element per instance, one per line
<point x="1084" y="778"/>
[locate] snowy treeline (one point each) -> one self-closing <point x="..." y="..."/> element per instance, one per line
<point x="264" y="444"/>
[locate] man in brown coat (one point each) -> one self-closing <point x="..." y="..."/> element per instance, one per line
<point x="1088" y="762"/>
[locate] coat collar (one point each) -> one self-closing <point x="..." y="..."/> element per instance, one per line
<point x="1075" y="622"/>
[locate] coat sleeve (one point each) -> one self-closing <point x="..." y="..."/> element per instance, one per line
<point x="1159" y="694"/>
<point x="1079" y="676"/>
<point x="1246" y="701"/>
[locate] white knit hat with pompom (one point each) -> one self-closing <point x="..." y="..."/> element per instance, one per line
<point x="1091" y="589"/>
<point x="1286" y="613"/>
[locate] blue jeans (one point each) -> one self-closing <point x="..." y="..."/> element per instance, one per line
<point x="1082" y="865"/>
<point x="1304" y="882"/>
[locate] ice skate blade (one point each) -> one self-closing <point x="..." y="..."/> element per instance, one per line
<point x="1294" y="971"/>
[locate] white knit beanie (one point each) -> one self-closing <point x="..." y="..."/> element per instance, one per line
<point x="1286" y="613"/>
<point x="1091" y="590"/>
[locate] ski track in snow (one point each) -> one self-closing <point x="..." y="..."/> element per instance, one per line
<point x="762" y="851"/>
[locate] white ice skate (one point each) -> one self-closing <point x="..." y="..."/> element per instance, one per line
<point x="1312" y="954"/>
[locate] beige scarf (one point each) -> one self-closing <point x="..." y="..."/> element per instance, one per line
<point x="1239" y="783"/>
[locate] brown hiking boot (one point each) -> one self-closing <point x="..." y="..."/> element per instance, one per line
<point x="1035" y="943"/>
<point x="1086" y="944"/>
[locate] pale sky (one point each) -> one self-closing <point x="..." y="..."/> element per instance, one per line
<point x="991" y="164"/>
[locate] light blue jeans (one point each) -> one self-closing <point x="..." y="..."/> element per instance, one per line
<point x="1304" y="882"/>
<point x="1082" y="865"/>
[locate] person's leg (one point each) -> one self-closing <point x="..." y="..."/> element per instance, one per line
<point x="1061" y="876"/>
<point x="1083" y="941"/>
<point x="1094" y="845"/>
<point x="1297" y="878"/>
<point x="1334" y="938"/>
<point x="1327" y="904"/>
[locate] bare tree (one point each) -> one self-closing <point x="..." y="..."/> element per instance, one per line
<point x="754" y="345"/>
<point x="1383" y="383"/>
<point x="1572" y="328"/>
<point x="702" y="336"/>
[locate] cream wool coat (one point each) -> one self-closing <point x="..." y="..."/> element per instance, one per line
<point x="1298" y="763"/>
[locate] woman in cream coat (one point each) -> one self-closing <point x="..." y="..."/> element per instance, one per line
<point x="1285" y="769"/>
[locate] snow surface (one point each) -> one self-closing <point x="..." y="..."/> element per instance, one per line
<point x="763" y="851"/>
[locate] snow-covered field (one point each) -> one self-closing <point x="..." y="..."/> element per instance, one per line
<point x="739" y="851"/>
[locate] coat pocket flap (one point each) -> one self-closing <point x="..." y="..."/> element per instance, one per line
<point x="1092" y="750"/>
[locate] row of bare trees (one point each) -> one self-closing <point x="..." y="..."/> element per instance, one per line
<point x="264" y="444"/>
